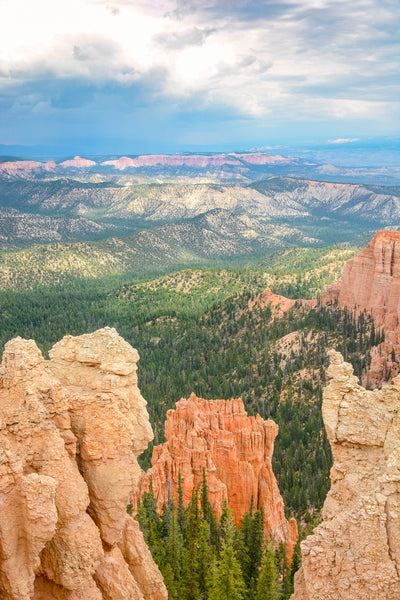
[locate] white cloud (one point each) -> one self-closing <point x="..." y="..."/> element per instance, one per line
<point x="319" y="57"/>
<point x="343" y="141"/>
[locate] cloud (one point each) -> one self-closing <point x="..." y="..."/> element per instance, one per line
<point x="95" y="50"/>
<point x="343" y="141"/>
<point x="253" y="60"/>
<point x="178" y="41"/>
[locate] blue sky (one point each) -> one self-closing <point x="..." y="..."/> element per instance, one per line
<point x="135" y="76"/>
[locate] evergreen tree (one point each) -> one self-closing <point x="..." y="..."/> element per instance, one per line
<point x="191" y="560"/>
<point x="208" y="514"/>
<point x="267" y="587"/>
<point x="227" y="579"/>
<point x="294" y="567"/>
<point x="283" y="569"/>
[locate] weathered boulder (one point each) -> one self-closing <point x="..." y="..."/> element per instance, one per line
<point x="354" y="554"/>
<point x="70" y="431"/>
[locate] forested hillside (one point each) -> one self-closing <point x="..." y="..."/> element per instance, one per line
<point x="195" y="332"/>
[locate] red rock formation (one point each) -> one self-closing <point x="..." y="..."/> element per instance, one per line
<point x="24" y="167"/>
<point x="371" y="282"/>
<point x="235" y="452"/>
<point x="153" y="160"/>
<point x="70" y="431"/>
<point x="197" y="160"/>
<point x="278" y="304"/>
<point x="78" y="163"/>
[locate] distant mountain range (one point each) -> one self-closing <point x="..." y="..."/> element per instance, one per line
<point x="112" y="222"/>
<point x="228" y="167"/>
<point x="273" y="198"/>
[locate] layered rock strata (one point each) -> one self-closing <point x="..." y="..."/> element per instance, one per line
<point x="371" y="282"/>
<point x="354" y="554"/>
<point x="234" y="450"/>
<point x="70" y="431"/>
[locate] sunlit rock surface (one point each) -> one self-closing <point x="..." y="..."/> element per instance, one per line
<point x="233" y="449"/>
<point x="70" y="431"/>
<point x="354" y="554"/>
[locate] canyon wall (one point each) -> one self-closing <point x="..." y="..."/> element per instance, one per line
<point x="354" y="554"/>
<point x="70" y="431"/>
<point x="371" y="282"/>
<point x="234" y="450"/>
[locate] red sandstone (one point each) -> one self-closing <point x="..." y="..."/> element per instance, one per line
<point x="233" y="449"/>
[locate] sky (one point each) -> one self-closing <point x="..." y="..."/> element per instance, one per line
<point x="136" y="76"/>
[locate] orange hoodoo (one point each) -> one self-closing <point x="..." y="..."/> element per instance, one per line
<point x="234" y="450"/>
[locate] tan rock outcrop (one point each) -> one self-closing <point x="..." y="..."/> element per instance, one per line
<point x="354" y="554"/>
<point x="70" y="431"/>
<point x="233" y="449"/>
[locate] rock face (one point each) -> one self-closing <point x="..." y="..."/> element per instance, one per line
<point x="70" y="431"/>
<point x="354" y="554"/>
<point x="371" y="281"/>
<point x="234" y="451"/>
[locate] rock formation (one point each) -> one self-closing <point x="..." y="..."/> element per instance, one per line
<point x="279" y="305"/>
<point x="371" y="282"/>
<point x="70" y="431"/>
<point x="234" y="451"/>
<point x="77" y="163"/>
<point x="198" y="160"/>
<point x="354" y="554"/>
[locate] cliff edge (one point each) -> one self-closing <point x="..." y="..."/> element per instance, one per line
<point x="70" y="431"/>
<point x="354" y="554"/>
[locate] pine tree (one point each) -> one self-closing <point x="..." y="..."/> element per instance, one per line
<point x="191" y="559"/>
<point x="208" y="514"/>
<point x="283" y="569"/>
<point x="181" y="508"/>
<point x="227" y="579"/>
<point x="294" y="567"/>
<point x="267" y="587"/>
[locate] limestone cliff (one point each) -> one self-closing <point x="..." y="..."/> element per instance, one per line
<point x="70" y="431"/>
<point x="235" y="452"/>
<point x="354" y="554"/>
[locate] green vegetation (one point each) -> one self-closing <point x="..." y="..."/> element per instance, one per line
<point x="203" y="559"/>
<point x="195" y="332"/>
